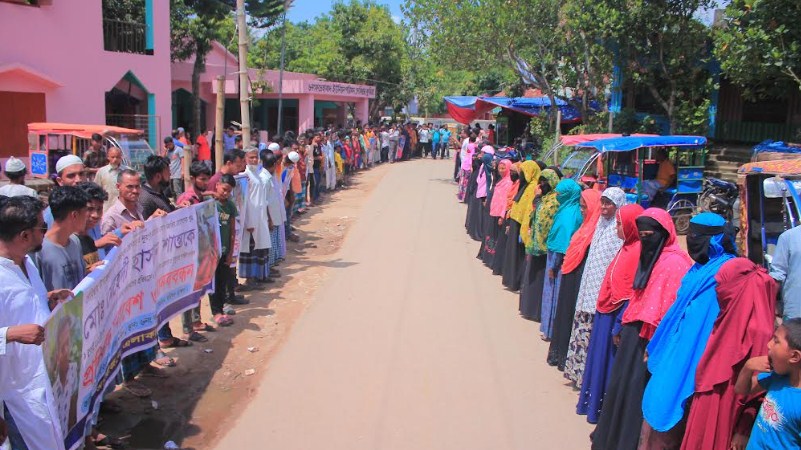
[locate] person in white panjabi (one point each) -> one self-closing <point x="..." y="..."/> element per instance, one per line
<point x="15" y="171"/>
<point x="256" y="240"/>
<point x="330" y="166"/>
<point x="25" y="305"/>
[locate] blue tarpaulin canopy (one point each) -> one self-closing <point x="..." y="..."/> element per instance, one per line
<point x="776" y="146"/>
<point x="465" y="109"/>
<point x="628" y="143"/>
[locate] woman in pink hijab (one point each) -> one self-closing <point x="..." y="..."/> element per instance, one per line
<point x="497" y="200"/>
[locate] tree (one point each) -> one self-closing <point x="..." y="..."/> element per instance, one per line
<point x="357" y="42"/>
<point x="544" y="41"/>
<point x="195" y="24"/>
<point x="663" y="48"/>
<point x="759" y="46"/>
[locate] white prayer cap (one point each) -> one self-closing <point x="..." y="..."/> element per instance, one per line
<point x="273" y="147"/>
<point x="66" y="161"/>
<point x="14" y="165"/>
<point x="294" y="157"/>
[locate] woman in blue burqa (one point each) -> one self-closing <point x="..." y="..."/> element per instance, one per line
<point x="681" y="337"/>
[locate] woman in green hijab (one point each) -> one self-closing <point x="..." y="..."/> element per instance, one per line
<point x="566" y="221"/>
<point x="540" y="222"/>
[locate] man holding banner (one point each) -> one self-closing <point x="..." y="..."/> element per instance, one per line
<point x="26" y="305"/>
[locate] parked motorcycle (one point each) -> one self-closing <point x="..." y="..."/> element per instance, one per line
<point x="720" y="197"/>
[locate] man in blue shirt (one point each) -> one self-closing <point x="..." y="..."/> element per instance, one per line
<point x="786" y="269"/>
<point x="229" y="139"/>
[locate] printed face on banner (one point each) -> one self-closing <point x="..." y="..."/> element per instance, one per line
<point x="239" y="196"/>
<point x="62" y="352"/>
<point x="208" y="243"/>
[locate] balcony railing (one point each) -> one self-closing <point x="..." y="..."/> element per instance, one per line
<point x="126" y="37"/>
<point x="753" y="132"/>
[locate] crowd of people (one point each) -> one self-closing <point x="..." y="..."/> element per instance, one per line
<point x="47" y="248"/>
<point x="666" y="348"/>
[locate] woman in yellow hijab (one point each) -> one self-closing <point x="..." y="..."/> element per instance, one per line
<point x="514" y="254"/>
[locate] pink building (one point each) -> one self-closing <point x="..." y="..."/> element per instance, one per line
<point x="308" y="101"/>
<point x="74" y="62"/>
<point x="71" y="61"/>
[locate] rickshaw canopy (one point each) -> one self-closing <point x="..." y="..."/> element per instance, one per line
<point x="781" y="167"/>
<point x="84" y="131"/>
<point x="628" y="143"/>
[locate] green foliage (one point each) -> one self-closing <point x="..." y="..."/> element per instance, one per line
<point x="357" y="42"/>
<point x="557" y="39"/>
<point x="759" y="46"/>
<point x="195" y="24"/>
<point x="124" y="10"/>
<point x="662" y="47"/>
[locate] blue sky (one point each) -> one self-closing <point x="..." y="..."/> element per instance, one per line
<point x="309" y="9"/>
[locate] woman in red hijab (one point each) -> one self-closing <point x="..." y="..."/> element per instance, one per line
<point x="661" y="267"/>
<point x="616" y="290"/>
<point x="746" y="295"/>
<point x="572" y="270"/>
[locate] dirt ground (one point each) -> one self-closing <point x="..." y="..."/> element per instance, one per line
<point x="409" y="343"/>
<point x="213" y="381"/>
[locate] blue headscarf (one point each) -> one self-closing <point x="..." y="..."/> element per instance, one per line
<point x="567" y="218"/>
<point x="680" y="338"/>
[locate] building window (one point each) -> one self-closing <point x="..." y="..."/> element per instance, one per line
<point x="125" y="26"/>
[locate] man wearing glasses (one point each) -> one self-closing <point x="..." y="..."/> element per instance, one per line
<point x="25" y="304"/>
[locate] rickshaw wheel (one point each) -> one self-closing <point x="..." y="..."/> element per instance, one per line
<point x="682" y="222"/>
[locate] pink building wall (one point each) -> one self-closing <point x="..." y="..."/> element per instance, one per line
<point x="64" y="43"/>
<point x="304" y="87"/>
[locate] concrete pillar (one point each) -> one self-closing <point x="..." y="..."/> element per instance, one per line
<point x="363" y="110"/>
<point x="305" y="112"/>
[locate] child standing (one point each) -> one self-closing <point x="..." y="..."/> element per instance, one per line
<point x="778" y="424"/>
<point x="222" y="276"/>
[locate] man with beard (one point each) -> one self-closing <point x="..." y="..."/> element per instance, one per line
<point x="128" y="210"/>
<point x="26" y="305"/>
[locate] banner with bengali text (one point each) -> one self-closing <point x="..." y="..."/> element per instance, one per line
<point x="158" y="272"/>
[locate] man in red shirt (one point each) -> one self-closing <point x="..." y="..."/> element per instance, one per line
<point x="203" y="148"/>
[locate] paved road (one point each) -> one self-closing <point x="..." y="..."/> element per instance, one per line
<point x="411" y="344"/>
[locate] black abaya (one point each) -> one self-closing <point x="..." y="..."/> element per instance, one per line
<point x="565" y="310"/>
<point x="531" y="289"/>
<point x="500" y="249"/>
<point x="621" y="416"/>
<point x="514" y="259"/>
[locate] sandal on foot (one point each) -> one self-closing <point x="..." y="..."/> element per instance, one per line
<point x="137" y="389"/>
<point x="197" y="337"/>
<point x="200" y="326"/>
<point x="162" y="360"/>
<point x="174" y="343"/>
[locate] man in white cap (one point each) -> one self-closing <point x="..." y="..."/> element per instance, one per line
<point x="289" y="194"/>
<point x="69" y="172"/>
<point x="15" y="171"/>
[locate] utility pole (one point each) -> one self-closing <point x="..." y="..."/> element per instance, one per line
<point x="244" y="91"/>
<point x="558" y="133"/>
<point x="280" y="126"/>
<point x="219" y="124"/>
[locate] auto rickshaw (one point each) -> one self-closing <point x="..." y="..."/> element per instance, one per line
<point x="47" y="142"/>
<point x="769" y="205"/>
<point x="627" y="161"/>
